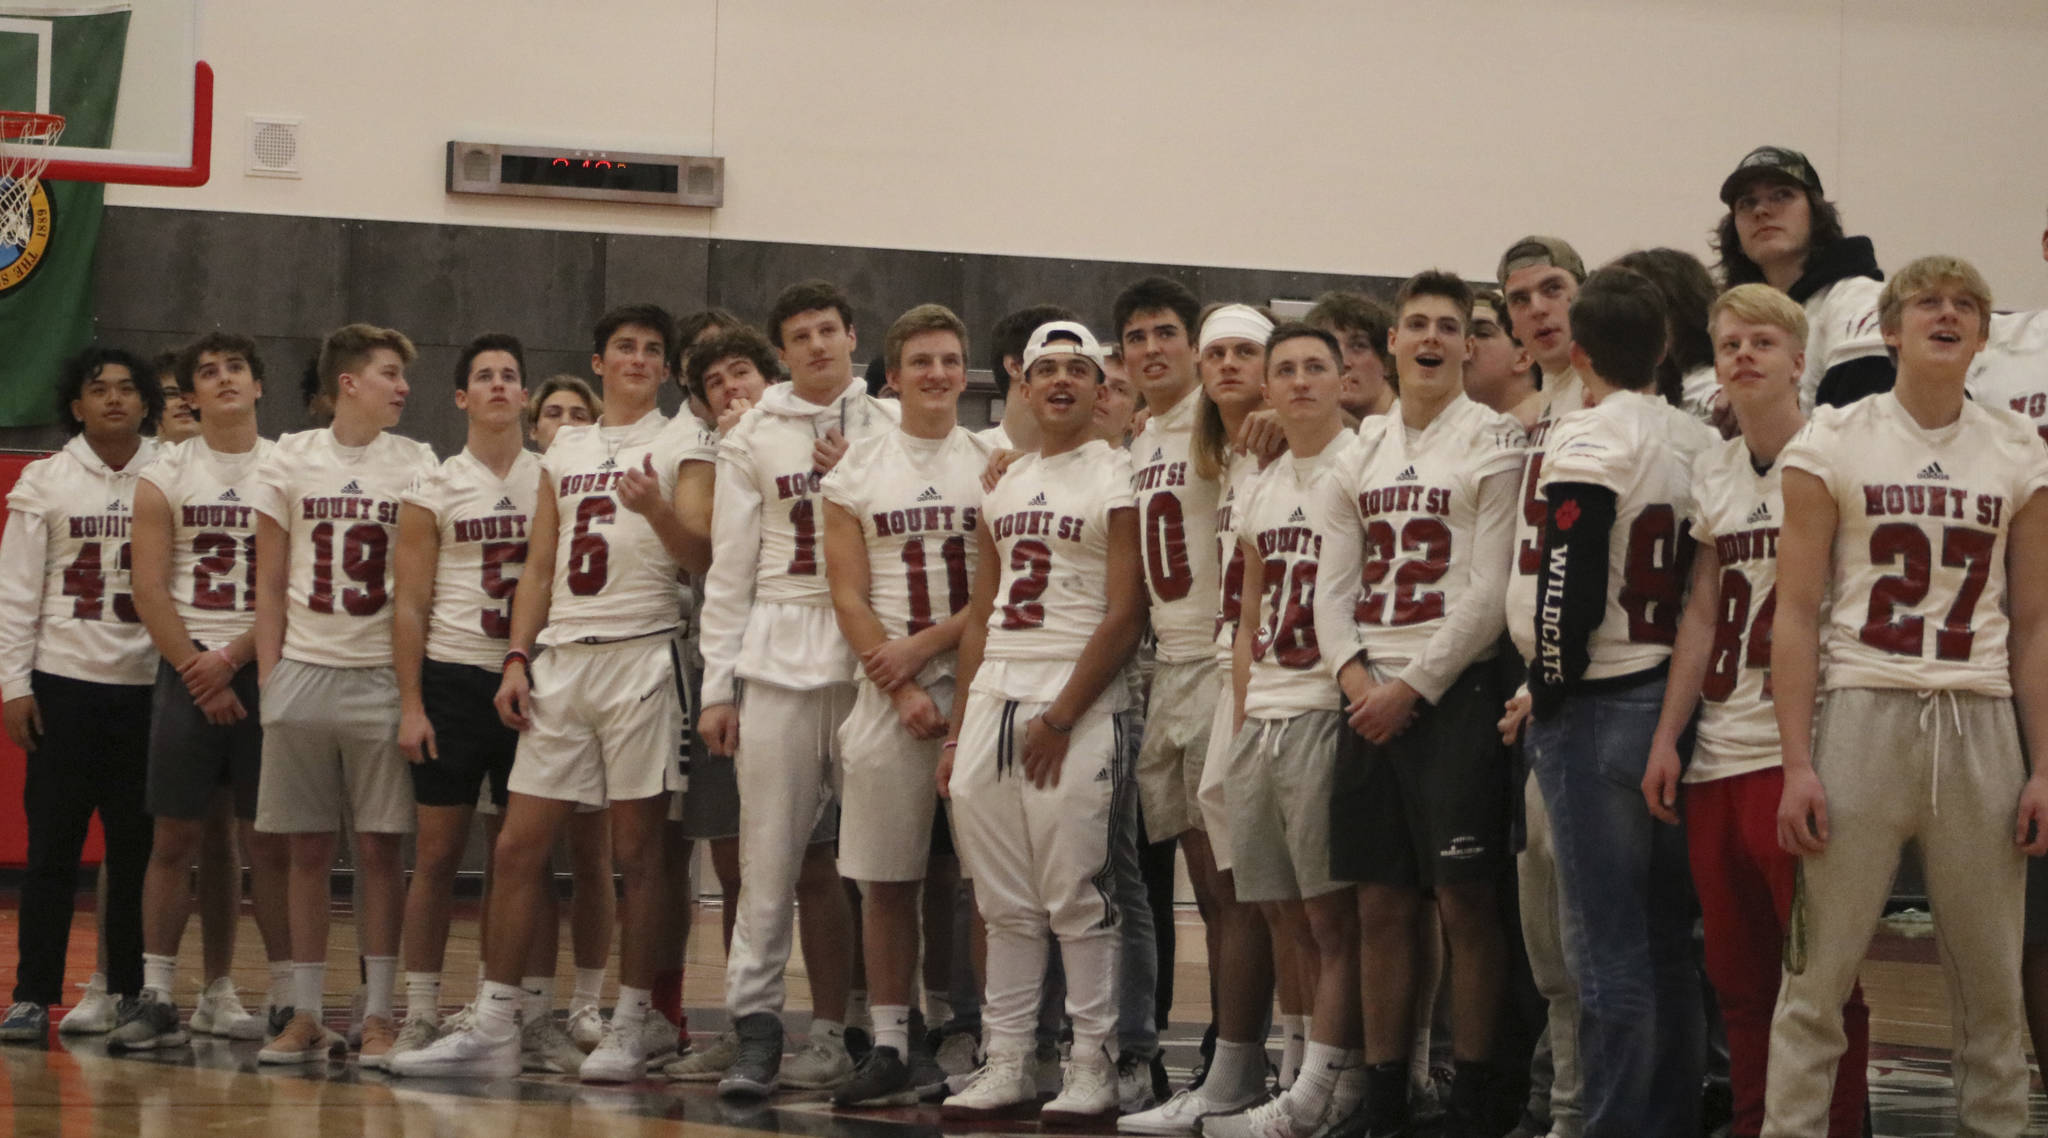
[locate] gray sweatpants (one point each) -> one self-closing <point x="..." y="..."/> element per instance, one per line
<point x="1944" y="770"/>
<point x="1543" y="918"/>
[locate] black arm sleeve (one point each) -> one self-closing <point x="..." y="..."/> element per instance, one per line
<point x="1571" y="589"/>
<point x="1851" y="380"/>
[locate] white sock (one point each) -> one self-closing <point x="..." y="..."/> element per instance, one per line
<point x="589" y="987"/>
<point x="857" y="1009"/>
<point x="309" y="987"/>
<point x="1418" y="1057"/>
<point x="497" y="1010"/>
<point x="1293" y="1038"/>
<point x="1235" y="1071"/>
<point x="938" y="1010"/>
<point x="1313" y="1084"/>
<point x="892" y="1028"/>
<point x="380" y="980"/>
<point x="422" y="995"/>
<point x="825" y="1029"/>
<point x="631" y="1010"/>
<point x="479" y="974"/>
<point x="537" y="998"/>
<point x="1350" y="1085"/>
<point x="159" y="973"/>
<point x="280" y="994"/>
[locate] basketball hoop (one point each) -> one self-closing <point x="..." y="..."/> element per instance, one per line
<point x="25" y="139"/>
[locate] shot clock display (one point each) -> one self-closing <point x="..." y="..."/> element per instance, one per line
<point x="587" y="175"/>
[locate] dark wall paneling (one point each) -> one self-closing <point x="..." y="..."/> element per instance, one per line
<point x="164" y="276"/>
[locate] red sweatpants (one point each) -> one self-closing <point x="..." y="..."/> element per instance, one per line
<point x="1744" y="882"/>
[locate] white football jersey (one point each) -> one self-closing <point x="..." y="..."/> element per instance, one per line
<point x="614" y="579"/>
<point x="917" y="501"/>
<point x="481" y="521"/>
<point x="2012" y="370"/>
<point x="1919" y="553"/>
<point x="339" y="504"/>
<point x="1238" y="479"/>
<point x="1642" y="448"/>
<point x="1411" y="506"/>
<point x="1738" y="512"/>
<point x="1177" y="529"/>
<point x="1282" y="520"/>
<point x="213" y="536"/>
<point x="1564" y="395"/>
<point x="67" y="608"/>
<point x="1841" y="325"/>
<point x="1050" y="521"/>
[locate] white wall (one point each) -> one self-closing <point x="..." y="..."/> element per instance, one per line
<point x="1336" y="135"/>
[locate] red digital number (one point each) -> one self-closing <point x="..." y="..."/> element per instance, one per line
<point x="1740" y="639"/>
<point x="85" y="581"/>
<point x="1430" y="538"/>
<point x="1166" y="548"/>
<point x="1289" y="628"/>
<point x="1653" y="575"/>
<point x="1906" y="544"/>
<point x="803" y="515"/>
<point x="497" y="622"/>
<point x="1535" y="513"/>
<point x="952" y="551"/>
<point x="216" y="555"/>
<point x="1233" y="589"/>
<point x="1034" y="560"/>
<point x="590" y="555"/>
<point x="365" y="556"/>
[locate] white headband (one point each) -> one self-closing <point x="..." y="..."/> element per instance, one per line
<point x="1234" y="322"/>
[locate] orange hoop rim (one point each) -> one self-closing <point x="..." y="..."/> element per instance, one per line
<point x="32" y="127"/>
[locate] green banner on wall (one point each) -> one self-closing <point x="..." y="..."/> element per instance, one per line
<point x="46" y="303"/>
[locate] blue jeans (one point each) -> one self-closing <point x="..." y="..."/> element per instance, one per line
<point x="1629" y="912"/>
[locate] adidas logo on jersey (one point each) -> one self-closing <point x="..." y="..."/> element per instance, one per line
<point x="931" y="494"/>
<point x="1407" y="475"/>
<point x="608" y="464"/>
<point x="1933" y="470"/>
<point x="1297" y="515"/>
<point x="504" y="504"/>
<point x="116" y="507"/>
<point x="1158" y="455"/>
<point x="352" y="488"/>
<point x="1762" y="513"/>
<point x="1038" y="500"/>
<point x="1102" y="775"/>
<point x="229" y="495"/>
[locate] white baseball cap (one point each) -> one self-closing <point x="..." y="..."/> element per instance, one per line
<point x="1069" y="332"/>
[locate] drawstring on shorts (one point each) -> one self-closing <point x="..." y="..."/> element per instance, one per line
<point x="1930" y="712"/>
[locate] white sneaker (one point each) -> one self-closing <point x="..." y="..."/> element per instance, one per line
<point x="417" y="1033"/>
<point x="1177" y="1115"/>
<point x="1088" y="1092"/>
<point x="659" y="1038"/>
<point x="706" y="1064"/>
<point x="1005" y="1087"/>
<point x="544" y="1049"/>
<point x="220" y="1013"/>
<point x="462" y="1019"/>
<point x="617" y="1058"/>
<point x="1269" y="1119"/>
<point x="586" y="1025"/>
<point x="461" y="1054"/>
<point x="95" y="1012"/>
<point x="823" y="1064"/>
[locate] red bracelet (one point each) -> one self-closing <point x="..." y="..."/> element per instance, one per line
<point x="519" y="657"/>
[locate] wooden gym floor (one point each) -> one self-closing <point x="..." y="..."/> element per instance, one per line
<point x="73" y="1089"/>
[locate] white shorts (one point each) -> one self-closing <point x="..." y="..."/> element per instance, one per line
<point x="607" y="723"/>
<point x="1214" y="792"/>
<point x="1171" y="758"/>
<point x="887" y="792"/>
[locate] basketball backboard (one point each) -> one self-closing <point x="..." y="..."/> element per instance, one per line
<point x="53" y="59"/>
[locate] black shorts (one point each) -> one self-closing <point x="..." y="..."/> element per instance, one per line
<point x="191" y="759"/>
<point x="473" y="743"/>
<point x="1430" y="807"/>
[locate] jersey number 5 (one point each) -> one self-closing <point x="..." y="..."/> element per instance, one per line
<point x="497" y="622"/>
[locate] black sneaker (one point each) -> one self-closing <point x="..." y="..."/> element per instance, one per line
<point x="145" y="1023"/>
<point x="858" y="1044"/>
<point x="925" y="1072"/>
<point x="882" y="1079"/>
<point x="1162" y="1087"/>
<point x="756" y="1069"/>
<point x="280" y="1018"/>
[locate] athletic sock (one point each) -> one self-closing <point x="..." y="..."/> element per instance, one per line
<point x="280" y="994"/>
<point x="1350" y="1089"/>
<point x="892" y="1027"/>
<point x="159" y="973"/>
<point x="1418" y="1057"/>
<point x="536" y="998"/>
<point x="589" y="988"/>
<point x="1235" y="1071"/>
<point x="1293" y="1040"/>
<point x="423" y="995"/>
<point x="1314" y="1083"/>
<point x="479" y="974"/>
<point x="497" y="1011"/>
<point x="668" y="995"/>
<point x="857" y="1009"/>
<point x="309" y="987"/>
<point x="380" y="980"/>
<point x="630" y="1013"/>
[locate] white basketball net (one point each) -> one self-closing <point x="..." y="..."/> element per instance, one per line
<point x="25" y="139"/>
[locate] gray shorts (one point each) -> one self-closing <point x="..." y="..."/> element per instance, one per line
<point x="191" y="759"/>
<point x="1285" y="770"/>
<point x="330" y="747"/>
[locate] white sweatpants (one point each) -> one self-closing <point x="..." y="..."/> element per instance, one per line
<point x="1039" y="858"/>
<point x="788" y="773"/>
